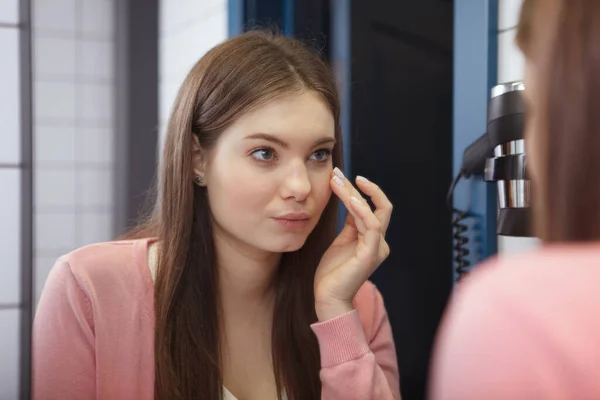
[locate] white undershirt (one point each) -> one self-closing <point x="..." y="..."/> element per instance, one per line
<point x="153" y="264"/>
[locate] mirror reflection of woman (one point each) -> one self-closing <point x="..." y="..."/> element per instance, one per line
<point x="527" y="326"/>
<point x="236" y="286"/>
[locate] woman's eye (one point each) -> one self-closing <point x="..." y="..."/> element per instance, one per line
<point x="264" y="154"/>
<point x="321" y="155"/>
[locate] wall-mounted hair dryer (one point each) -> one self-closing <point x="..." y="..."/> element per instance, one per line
<point x="498" y="156"/>
<point x="508" y="166"/>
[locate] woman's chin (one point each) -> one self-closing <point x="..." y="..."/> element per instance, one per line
<point x="285" y="246"/>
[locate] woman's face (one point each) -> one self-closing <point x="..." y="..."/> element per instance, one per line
<point x="268" y="176"/>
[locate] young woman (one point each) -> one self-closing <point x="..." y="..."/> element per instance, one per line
<point x="527" y="326"/>
<point x="236" y="285"/>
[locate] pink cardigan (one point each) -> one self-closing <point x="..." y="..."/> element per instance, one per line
<point x="524" y="327"/>
<point x="93" y="335"/>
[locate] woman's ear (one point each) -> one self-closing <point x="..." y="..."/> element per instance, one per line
<point x="199" y="159"/>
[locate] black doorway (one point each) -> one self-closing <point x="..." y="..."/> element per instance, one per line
<point x="400" y="119"/>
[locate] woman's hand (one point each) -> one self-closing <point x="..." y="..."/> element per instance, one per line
<point x="357" y="251"/>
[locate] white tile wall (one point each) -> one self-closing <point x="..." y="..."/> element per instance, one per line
<point x="96" y="227"/>
<point x="10" y="131"/>
<point x="95" y="188"/>
<point x="97" y="18"/>
<point x="53" y="16"/>
<point x="509" y="245"/>
<point x="54" y="188"/>
<point x="73" y="77"/>
<point x="10" y="199"/>
<point x="55" y="231"/>
<point x="54" y="100"/>
<point x="96" y="104"/>
<point x="96" y="59"/>
<point x="187" y="32"/>
<point x="43" y="265"/>
<point x="9" y="354"/>
<point x="511" y="66"/>
<point x="511" y="63"/>
<point x="168" y="93"/>
<point x="9" y="11"/>
<point x="508" y="13"/>
<point x="55" y="145"/>
<point x="10" y="235"/>
<point x="54" y="57"/>
<point x="96" y="147"/>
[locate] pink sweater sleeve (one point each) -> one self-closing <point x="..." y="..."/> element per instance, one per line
<point x="355" y="365"/>
<point x="63" y="340"/>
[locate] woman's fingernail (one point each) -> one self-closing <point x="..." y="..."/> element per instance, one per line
<point x="362" y="179"/>
<point x="338" y="173"/>
<point x="337" y="180"/>
<point x="356" y="200"/>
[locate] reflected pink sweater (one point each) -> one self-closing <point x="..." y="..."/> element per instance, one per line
<point x="524" y="327"/>
<point x="93" y="335"/>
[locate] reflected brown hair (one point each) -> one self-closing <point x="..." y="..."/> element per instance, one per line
<point x="561" y="38"/>
<point x="231" y="79"/>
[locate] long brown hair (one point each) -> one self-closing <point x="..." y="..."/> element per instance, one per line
<point x="561" y="38"/>
<point x="231" y="79"/>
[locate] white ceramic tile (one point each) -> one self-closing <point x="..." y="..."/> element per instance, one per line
<point x="173" y="63"/>
<point x="55" y="231"/>
<point x="509" y="245"/>
<point x="9" y="354"/>
<point x="511" y="64"/>
<point x="96" y="58"/>
<point x="9" y="11"/>
<point x="95" y="145"/>
<point x="54" y="144"/>
<point x="96" y="102"/>
<point x="171" y="17"/>
<point x="188" y="31"/>
<point x="97" y="17"/>
<point x="162" y="133"/>
<point x="508" y="13"/>
<point x="54" y="100"/>
<point x="182" y="48"/>
<point x="96" y="227"/>
<point x="55" y="15"/>
<point x="187" y="12"/>
<point x="96" y="188"/>
<point x="43" y="265"/>
<point x="54" y="188"/>
<point x="213" y="28"/>
<point x="167" y="94"/>
<point x="10" y="236"/>
<point x="10" y="135"/>
<point x="53" y="57"/>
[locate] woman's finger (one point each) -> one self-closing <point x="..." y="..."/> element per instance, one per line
<point x="349" y="231"/>
<point x="383" y="206"/>
<point x="372" y="235"/>
<point x="343" y="189"/>
<point x="384" y="249"/>
<point x="349" y="186"/>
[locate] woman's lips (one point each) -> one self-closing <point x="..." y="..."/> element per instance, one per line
<point x="293" y="220"/>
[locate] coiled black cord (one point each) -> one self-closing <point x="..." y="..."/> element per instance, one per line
<point x="460" y="240"/>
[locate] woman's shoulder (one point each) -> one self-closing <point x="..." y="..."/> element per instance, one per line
<point x="105" y="269"/>
<point x="520" y="315"/>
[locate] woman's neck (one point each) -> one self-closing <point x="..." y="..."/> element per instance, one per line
<point x="246" y="274"/>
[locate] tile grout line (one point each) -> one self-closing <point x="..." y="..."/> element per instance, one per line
<point x="504" y="30"/>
